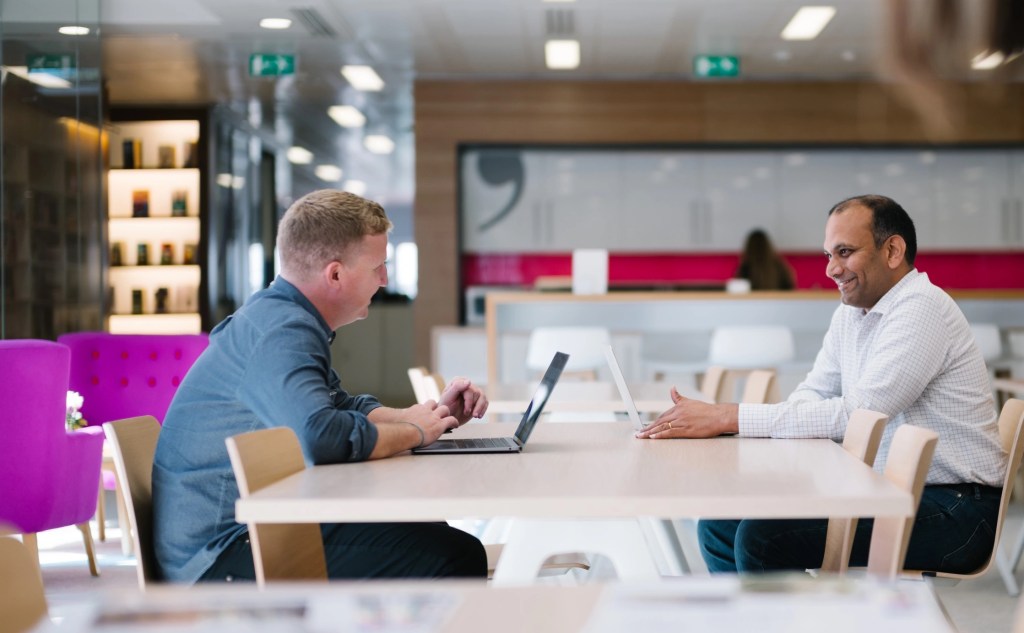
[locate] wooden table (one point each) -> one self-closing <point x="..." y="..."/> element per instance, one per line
<point x="589" y="471"/>
<point x="585" y="397"/>
<point x="793" y="603"/>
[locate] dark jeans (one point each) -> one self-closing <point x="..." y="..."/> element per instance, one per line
<point x="954" y="532"/>
<point x="375" y="550"/>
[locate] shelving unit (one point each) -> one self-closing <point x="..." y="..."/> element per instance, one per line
<point x="155" y="213"/>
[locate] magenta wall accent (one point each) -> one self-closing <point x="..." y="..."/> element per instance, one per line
<point x="979" y="270"/>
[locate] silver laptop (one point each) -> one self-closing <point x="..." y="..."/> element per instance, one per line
<point x="513" y="444"/>
<point x="620" y="382"/>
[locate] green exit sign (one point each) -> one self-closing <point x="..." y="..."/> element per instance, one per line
<point x="271" y="65"/>
<point x="716" y="66"/>
<point x="61" y="64"/>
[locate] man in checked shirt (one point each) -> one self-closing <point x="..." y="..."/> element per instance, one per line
<point x="898" y="345"/>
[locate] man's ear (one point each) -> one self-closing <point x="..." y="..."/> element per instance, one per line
<point x="896" y="250"/>
<point x="333" y="272"/>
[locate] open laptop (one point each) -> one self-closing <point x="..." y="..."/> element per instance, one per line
<point x="513" y="444"/>
<point x="620" y="382"/>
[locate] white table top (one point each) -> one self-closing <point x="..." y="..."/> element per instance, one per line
<point x="793" y="603"/>
<point x="585" y="396"/>
<point x="588" y="470"/>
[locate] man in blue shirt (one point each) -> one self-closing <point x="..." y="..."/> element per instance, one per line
<point x="269" y="364"/>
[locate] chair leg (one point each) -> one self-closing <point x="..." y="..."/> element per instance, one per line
<point x="1006" y="573"/>
<point x="1018" y="549"/>
<point x="122" y="520"/>
<point x="101" y="514"/>
<point x="31" y="543"/>
<point x="90" y="551"/>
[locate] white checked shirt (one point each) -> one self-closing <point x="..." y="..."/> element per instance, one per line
<point x="912" y="357"/>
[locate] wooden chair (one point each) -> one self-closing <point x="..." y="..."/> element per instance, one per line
<point x="760" y="387"/>
<point x="863" y="436"/>
<point x="910" y="455"/>
<point x="22" y="599"/>
<point x="133" y="441"/>
<point x="1011" y="425"/>
<point x="425" y="385"/>
<point x="280" y="551"/>
<point x="713" y="385"/>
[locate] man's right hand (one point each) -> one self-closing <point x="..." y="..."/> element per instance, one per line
<point x="432" y="418"/>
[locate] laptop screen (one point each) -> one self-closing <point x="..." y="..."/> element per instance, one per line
<point x="540" y="397"/>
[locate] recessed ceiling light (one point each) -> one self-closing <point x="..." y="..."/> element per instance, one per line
<point x="275" y="23"/>
<point x="808" y="23"/>
<point x="224" y="180"/>
<point x="986" y="60"/>
<point x="562" y="54"/>
<point x="299" y="155"/>
<point x="73" y="30"/>
<point x="357" y="187"/>
<point x="328" y="173"/>
<point x="346" y="116"/>
<point x="44" y="79"/>
<point x="363" y="78"/>
<point x="379" y="144"/>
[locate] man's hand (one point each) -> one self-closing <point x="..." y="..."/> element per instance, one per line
<point x="432" y="419"/>
<point x="692" y="418"/>
<point x="464" y="400"/>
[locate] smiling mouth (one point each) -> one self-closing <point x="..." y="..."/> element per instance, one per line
<point x="843" y="283"/>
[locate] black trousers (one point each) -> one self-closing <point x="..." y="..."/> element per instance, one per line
<point x="375" y="550"/>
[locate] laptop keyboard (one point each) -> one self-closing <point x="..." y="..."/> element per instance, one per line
<point x="484" y="442"/>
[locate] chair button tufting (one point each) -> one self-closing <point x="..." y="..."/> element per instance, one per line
<point x="152" y="381"/>
<point x="177" y="354"/>
<point x="175" y="381"/>
<point x="152" y="356"/>
<point x="95" y="354"/>
<point x="124" y="355"/>
<point x="94" y="380"/>
<point x="124" y="381"/>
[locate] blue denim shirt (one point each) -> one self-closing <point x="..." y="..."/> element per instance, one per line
<point x="268" y="365"/>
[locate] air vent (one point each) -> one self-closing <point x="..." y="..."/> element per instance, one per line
<point x="561" y="23"/>
<point x="314" y="22"/>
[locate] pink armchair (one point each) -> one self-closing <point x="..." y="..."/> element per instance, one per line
<point x="125" y="376"/>
<point x="49" y="475"/>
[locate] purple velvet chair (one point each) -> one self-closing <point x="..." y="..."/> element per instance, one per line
<point x="125" y="376"/>
<point x="49" y="475"/>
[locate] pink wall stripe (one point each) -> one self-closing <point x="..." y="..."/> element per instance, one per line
<point x="979" y="270"/>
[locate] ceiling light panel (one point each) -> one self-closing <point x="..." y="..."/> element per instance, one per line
<point x="275" y="23"/>
<point x="363" y="78"/>
<point x="562" y="54"/>
<point x="379" y="144"/>
<point x="987" y="61"/>
<point x="328" y="173"/>
<point x="73" y="30"/>
<point x="808" y="23"/>
<point x="346" y="116"/>
<point x="299" y="155"/>
<point x="357" y="187"/>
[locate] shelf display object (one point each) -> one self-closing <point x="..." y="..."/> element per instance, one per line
<point x="154" y="227"/>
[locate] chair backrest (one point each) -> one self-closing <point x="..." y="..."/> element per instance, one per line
<point x="584" y="345"/>
<point x="22" y="599"/>
<point x="760" y="388"/>
<point x="910" y="455"/>
<point x="862" y="439"/>
<point x="127" y="375"/>
<point x="417" y="378"/>
<point x="1011" y="430"/>
<point x="713" y="385"/>
<point x="751" y="346"/>
<point x="134" y="444"/>
<point x="987" y="336"/>
<point x="279" y="551"/>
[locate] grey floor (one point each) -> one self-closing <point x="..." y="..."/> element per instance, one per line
<point x="977" y="606"/>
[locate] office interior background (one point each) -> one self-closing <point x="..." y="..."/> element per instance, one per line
<point x="682" y="125"/>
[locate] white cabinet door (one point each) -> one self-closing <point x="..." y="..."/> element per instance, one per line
<point x="503" y="198"/>
<point x="660" y="202"/>
<point x="1013" y="218"/>
<point x="584" y="202"/>
<point x="972" y="195"/>
<point x="812" y="182"/>
<point x="741" y="193"/>
<point x="905" y="176"/>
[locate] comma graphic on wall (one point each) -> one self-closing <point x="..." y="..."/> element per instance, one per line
<point x="499" y="168"/>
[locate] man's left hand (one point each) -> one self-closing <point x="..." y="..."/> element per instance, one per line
<point x="464" y="400"/>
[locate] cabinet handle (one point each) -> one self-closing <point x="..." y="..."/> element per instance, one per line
<point x="537" y="229"/>
<point x="1020" y="221"/>
<point x="1005" y="220"/>
<point x="550" y="217"/>
<point x="694" y="221"/>
<point x="707" y="221"/>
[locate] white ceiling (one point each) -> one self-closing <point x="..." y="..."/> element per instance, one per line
<point x="197" y="51"/>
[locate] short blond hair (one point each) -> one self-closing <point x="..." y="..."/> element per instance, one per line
<point x="321" y="226"/>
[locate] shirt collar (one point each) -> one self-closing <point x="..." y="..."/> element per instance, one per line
<point x="285" y="287"/>
<point x="891" y="297"/>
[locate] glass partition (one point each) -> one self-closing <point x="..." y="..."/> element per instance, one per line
<point x="53" y="156"/>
